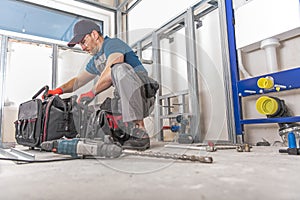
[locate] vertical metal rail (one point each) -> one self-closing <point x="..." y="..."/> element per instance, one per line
<point x="3" y="59"/>
<point x="126" y="35"/>
<point x="233" y="69"/>
<point x="54" y="64"/>
<point x="139" y="50"/>
<point x="192" y="76"/>
<point x="226" y="73"/>
<point x="119" y="21"/>
<point x="118" y="18"/>
<point x="122" y="4"/>
<point x="156" y="56"/>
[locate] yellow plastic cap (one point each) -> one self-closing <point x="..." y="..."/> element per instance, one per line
<point x="266" y="105"/>
<point x="265" y="83"/>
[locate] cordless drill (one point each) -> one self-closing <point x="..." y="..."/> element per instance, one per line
<point x="81" y="147"/>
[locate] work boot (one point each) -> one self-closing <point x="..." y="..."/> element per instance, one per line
<point x="139" y="140"/>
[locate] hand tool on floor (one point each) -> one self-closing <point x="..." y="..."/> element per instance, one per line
<point x="211" y="147"/>
<point x="264" y="142"/>
<point x="243" y="148"/>
<point x="202" y="159"/>
<point x="77" y="147"/>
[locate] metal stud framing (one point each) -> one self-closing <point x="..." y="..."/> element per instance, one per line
<point x="192" y="76"/>
<point x="187" y="20"/>
<point x="3" y="59"/>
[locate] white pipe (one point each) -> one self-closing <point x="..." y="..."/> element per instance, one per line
<point x="270" y="45"/>
<point x="241" y="66"/>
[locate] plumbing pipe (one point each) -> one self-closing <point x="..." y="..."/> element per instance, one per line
<point x="274" y="107"/>
<point x="265" y="82"/>
<point x="270" y="45"/>
<point x="241" y="66"/>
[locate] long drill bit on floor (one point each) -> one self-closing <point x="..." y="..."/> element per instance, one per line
<point x="194" y="158"/>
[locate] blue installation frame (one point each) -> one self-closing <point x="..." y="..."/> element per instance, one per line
<point x="233" y="67"/>
<point x="283" y="80"/>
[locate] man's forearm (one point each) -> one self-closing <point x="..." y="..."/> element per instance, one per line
<point x="69" y="86"/>
<point x="104" y="82"/>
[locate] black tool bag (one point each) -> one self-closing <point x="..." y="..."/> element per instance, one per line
<point x="40" y="121"/>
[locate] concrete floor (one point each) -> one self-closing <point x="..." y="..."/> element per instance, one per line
<point x="262" y="173"/>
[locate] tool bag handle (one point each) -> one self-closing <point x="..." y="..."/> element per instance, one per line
<point x="45" y="88"/>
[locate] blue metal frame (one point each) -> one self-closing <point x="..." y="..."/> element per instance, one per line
<point x="233" y="66"/>
<point x="271" y="120"/>
<point x="285" y="80"/>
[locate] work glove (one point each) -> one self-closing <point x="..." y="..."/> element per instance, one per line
<point x="53" y="92"/>
<point x="86" y="98"/>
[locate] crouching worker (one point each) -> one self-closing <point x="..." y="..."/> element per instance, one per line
<point x="116" y="65"/>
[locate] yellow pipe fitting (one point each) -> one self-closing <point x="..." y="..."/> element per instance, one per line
<point x="266" y="105"/>
<point x="265" y="83"/>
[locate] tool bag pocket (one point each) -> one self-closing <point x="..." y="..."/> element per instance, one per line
<point x="29" y="123"/>
<point x="58" y="119"/>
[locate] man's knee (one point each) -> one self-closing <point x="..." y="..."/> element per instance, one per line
<point x="120" y="69"/>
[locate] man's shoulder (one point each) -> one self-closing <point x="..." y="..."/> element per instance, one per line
<point x="110" y="44"/>
<point x="109" y="40"/>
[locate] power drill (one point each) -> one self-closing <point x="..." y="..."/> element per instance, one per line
<point x="81" y="147"/>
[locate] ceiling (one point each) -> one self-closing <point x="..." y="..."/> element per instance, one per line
<point x="111" y="3"/>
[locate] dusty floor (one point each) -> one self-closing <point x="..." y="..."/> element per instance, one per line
<point x="262" y="173"/>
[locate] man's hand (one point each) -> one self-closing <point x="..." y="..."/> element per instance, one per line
<point x="52" y="92"/>
<point x="55" y="91"/>
<point x="86" y="98"/>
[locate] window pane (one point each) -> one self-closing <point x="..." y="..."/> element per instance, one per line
<point x="40" y="21"/>
<point x="70" y="64"/>
<point x="29" y="67"/>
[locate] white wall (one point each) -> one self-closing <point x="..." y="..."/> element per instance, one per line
<point x="151" y="14"/>
<point x="211" y="83"/>
<point x="261" y="19"/>
<point x="273" y="18"/>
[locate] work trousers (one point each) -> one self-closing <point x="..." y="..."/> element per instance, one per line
<point x="130" y="93"/>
